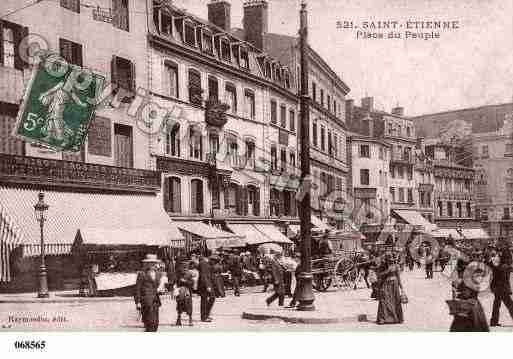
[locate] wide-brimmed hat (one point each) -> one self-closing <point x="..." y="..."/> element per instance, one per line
<point x="151" y="258"/>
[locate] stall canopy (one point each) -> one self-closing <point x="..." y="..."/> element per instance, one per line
<point x="315" y="221"/>
<point x="71" y="211"/>
<point x="415" y="219"/>
<point x="124" y="237"/>
<point x="446" y="232"/>
<point x="474" y="233"/>
<point x="257" y="234"/>
<point x="214" y="237"/>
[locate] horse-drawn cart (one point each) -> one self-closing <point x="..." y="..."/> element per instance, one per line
<point x="338" y="269"/>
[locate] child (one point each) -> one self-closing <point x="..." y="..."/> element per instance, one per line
<point x="183" y="301"/>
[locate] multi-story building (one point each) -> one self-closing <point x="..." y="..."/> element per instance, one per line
<point x="109" y="185"/>
<point x="225" y="164"/>
<point x="370" y="159"/>
<point x="409" y="183"/>
<point x="487" y="131"/>
<point x="329" y="166"/>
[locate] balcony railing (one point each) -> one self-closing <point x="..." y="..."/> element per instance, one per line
<point x="50" y="172"/>
<point x="402" y="157"/>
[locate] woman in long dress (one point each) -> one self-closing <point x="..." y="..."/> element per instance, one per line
<point x="469" y="317"/>
<point x="390" y="310"/>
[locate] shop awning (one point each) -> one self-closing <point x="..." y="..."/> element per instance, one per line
<point x="445" y="233"/>
<point x="126" y="237"/>
<point x="415" y="219"/>
<point x="252" y="235"/>
<point x="71" y="211"/>
<point x="272" y="232"/>
<point x="316" y="222"/>
<point x="474" y="233"/>
<point x="214" y="237"/>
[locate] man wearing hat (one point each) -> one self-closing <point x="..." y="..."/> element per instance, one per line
<point x="500" y="285"/>
<point x="205" y="289"/>
<point x="147" y="298"/>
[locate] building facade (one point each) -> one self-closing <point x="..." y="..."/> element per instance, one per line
<point x="483" y="135"/>
<point x="111" y="183"/>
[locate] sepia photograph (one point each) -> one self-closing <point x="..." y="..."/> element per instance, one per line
<point x="255" y="166"/>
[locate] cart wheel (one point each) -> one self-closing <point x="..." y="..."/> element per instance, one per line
<point x="342" y="273"/>
<point x="321" y="282"/>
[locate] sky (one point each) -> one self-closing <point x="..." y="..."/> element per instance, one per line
<point x="467" y="67"/>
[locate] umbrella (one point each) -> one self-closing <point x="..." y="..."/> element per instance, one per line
<point x="269" y="248"/>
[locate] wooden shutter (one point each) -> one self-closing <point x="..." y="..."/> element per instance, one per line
<point x="256" y="202"/>
<point x="244" y="202"/>
<point x="114" y="70"/>
<point x="65" y="50"/>
<point x="227" y="197"/>
<point x="238" y="200"/>
<point x="1" y="43"/>
<point x="165" y="189"/>
<point x="132" y="76"/>
<point x="200" y="196"/>
<point x="77" y="55"/>
<point x="177" y="192"/>
<point x="20" y="33"/>
<point x="194" y="199"/>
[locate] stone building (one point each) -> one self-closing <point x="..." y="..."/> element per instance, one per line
<point x="111" y="185"/>
<point x="486" y="134"/>
<point x="328" y="128"/>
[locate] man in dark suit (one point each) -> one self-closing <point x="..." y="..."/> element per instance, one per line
<point x="235" y="268"/>
<point x="205" y="289"/>
<point x="278" y="285"/>
<point x="500" y="285"/>
<point x="147" y="299"/>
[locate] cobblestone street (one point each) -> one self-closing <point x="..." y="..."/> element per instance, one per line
<point x="426" y="311"/>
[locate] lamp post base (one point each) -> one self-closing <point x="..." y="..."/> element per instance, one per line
<point x="306" y="297"/>
<point x="43" y="283"/>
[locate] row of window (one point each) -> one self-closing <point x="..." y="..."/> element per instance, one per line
<point x="327" y="140"/>
<point x="401" y="195"/>
<point x="331" y="103"/>
<point x="399" y="171"/>
<point x="217" y="44"/>
<point x="482" y="213"/>
<point x="283" y="116"/>
<point x="397" y="130"/>
<point x="485" y="151"/>
<point x="284" y="164"/>
<point x="453" y="185"/>
<point x="329" y="183"/>
<point x="365" y="152"/>
<point x="452" y="210"/>
<point x="119" y="12"/>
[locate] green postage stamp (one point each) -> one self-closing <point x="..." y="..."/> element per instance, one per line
<point x="58" y="105"/>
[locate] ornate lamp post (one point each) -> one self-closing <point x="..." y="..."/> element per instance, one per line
<point x="40" y="209"/>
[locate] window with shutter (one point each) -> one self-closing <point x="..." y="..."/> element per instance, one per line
<point x="195" y="90"/>
<point x="166" y="191"/>
<point x="171" y="78"/>
<point x="175" y="193"/>
<point x="283" y="116"/>
<point x="8" y="143"/>
<point x="11" y="36"/>
<point x="123" y="75"/>
<point x="292" y="121"/>
<point x="274" y="112"/>
<point x="197" y="196"/>
<point x="213" y="89"/>
<point x="120" y="14"/>
<point x="231" y="97"/>
<point x="73" y="5"/>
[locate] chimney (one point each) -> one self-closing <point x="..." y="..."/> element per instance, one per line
<point x="368" y="103"/>
<point x="368" y="126"/>
<point x="399" y="111"/>
<point x="219" y="14"/>
<point x="255" y="22"/>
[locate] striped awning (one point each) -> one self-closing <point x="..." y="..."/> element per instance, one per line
<point x="70" y="211"/>
<point x="214" y="238"/>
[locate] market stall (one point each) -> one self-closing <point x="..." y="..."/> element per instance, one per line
<point x="110" y="258"/>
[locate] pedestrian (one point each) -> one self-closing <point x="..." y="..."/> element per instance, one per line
<point x="205" y="289"/>
<point x="373" y="277"/>
<point x="278" y="285"/>
<point x="264" y="273"/>
<point x="184" y="300"/>
<point x="171" y="273"/>
<point x="297" y="274"/>
<point x="325" y="246"/>
<point x="147" y="296"/>
<point x="468" y="312"/>
<point x="235" y="268"/>
<point x="429" y="262"/>
<point x="217" y="272"/>
<point x="501" y="286"/>
<point x="390" y="310"/>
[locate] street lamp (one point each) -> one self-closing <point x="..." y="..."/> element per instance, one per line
<point x="40" y="209"/>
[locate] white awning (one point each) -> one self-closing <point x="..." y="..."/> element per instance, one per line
<point x="127" y="237"/>
<point x="445" y="233"/>
<point x="214" y="237"/>
<point x="415" y="218"/>
<point x="273" y="233"/>
<point x="251" y="234"/>
<point x="474" y="233"/>
<point x="316" y="222"/>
